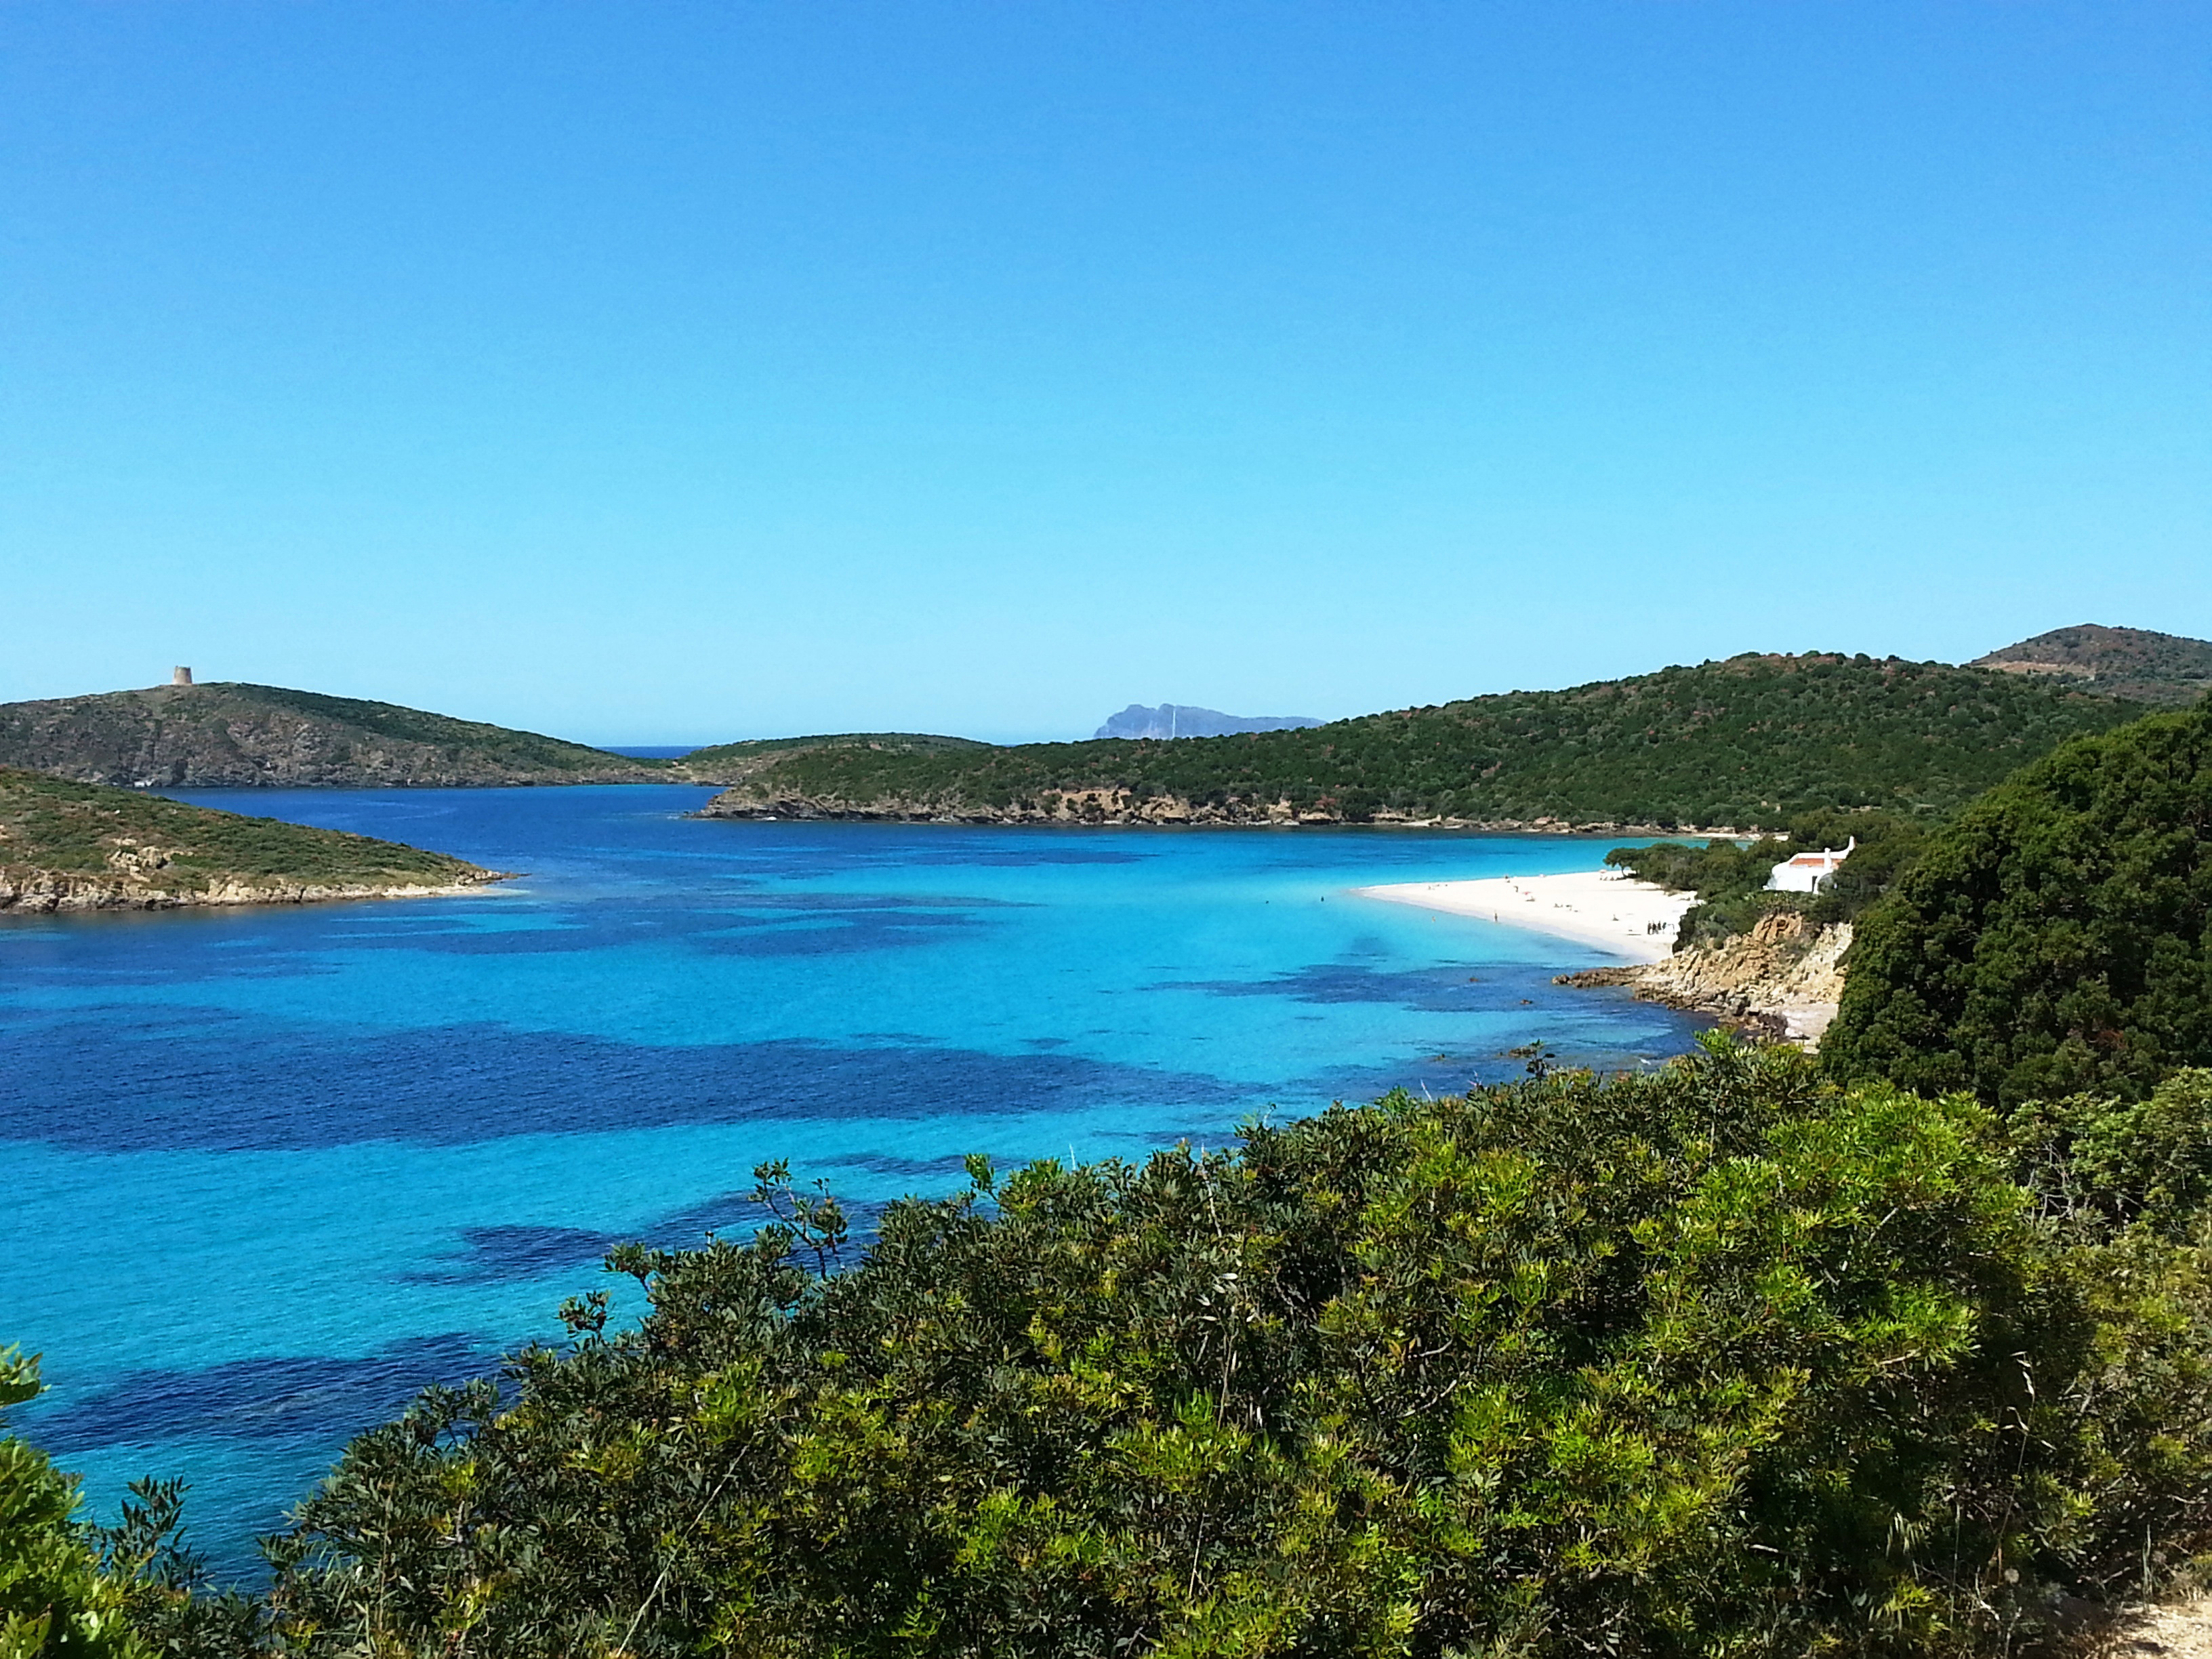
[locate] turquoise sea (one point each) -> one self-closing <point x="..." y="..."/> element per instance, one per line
<point x="272" y="1170"/>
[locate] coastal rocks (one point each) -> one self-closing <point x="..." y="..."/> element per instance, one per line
<point x="1783" y="979"/>
<point x="1109" y="807"/>
<point x="45" y="893"/>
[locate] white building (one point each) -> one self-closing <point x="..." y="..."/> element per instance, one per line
<point x="1808" y="873"/>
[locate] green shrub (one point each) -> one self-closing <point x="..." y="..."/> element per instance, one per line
<point x="54" y="1599"/>
<point x="1723" y="1359"/>
<point x="2052" y="941"/>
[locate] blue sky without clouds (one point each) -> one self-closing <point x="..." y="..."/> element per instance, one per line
<point x="664" y="373"/>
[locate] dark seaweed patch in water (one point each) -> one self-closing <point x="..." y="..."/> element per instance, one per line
<point x="916" y="1169"/>
<point x="1431" y="990"/>
<point x="747" y="921"/>
<point x="520" y="1251"/>
<point x="491" y="1254"/>
<point x="133" y="1079"/>
<point x="312" y="1396"/>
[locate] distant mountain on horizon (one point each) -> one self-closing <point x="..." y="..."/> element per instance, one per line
<point x="1181" y="719"/>
<point x="2134" y="663"/>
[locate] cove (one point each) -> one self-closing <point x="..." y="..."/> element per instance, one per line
<point x="272" y="1170"/>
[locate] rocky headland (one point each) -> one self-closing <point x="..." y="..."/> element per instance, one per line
<point x="73" y="846"/>
<point x="1753" y="741"/>
<point x="229" y="735"/>
<point x="1782" y="980"/>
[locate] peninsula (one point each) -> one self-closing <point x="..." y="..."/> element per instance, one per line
<point x="1739" y="745"/>
<point x="70" y="846"/>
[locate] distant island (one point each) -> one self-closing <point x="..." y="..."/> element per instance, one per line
<point x="70" y="846"/>
<point x="1180" y="719"/>
<point x="1743" y="743"/>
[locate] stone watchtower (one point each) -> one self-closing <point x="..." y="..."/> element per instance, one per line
<point x="180" y="677"/>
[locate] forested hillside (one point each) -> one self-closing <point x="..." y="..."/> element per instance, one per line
<point x="1746" y="743"/>
<point x="2058" y="937"/>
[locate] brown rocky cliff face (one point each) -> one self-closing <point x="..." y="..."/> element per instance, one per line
<point x="1783" y="978"/>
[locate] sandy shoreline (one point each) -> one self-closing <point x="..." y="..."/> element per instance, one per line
<point x="1613" y="912"/>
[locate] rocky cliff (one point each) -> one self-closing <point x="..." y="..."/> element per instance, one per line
<point x="225" y="735"/>
<point x="67" y="846"/>
<point x="1782" y="979"/>
<point x="763" y="798"/>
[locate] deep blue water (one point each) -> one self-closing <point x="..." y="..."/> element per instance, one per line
<point x="272" y="1170"/>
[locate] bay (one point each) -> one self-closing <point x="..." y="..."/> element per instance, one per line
<point x="273" y="1170"/>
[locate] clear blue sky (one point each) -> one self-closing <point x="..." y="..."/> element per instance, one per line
<point x="672" y="372"/>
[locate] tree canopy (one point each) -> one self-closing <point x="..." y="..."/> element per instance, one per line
<point x="2052" y="940"/>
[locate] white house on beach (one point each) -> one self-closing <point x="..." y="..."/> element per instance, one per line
<point x="1808" y="873"/>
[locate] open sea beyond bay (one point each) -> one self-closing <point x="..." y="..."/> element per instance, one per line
<point x="270" y="1170"/>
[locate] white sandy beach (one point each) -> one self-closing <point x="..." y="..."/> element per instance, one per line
<point x="1612" y="912"/>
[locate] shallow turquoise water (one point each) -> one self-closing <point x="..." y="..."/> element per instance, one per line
<point x="272" y="1170"/>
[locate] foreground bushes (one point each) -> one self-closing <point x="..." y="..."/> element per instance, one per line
<point x="1717" y="1359"/>
<point x="1720" y="1359"/>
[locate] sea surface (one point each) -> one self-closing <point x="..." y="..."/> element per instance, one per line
<point x="270" y="1170"/>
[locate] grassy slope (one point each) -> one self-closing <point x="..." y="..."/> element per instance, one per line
<point x="237" y="731"/>
<point x="51" y="826"/>
<point x="520" y="749"/>
<point x="1745" y="742"/>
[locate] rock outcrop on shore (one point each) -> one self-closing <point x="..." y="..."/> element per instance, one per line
<point x="1112" y="807"/>
<point x="74" y="846"/>
<point x="225" y="735"/>
<point x="43" y="892"/>
<point x="1783" y="979"/>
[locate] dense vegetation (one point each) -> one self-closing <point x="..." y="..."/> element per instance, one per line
<point x="222" y="734"/>
<point x="1729" y="877"/>
<point x="1722" y="1359"/>
<point x="2052" y="940"/>
<point x="51" y="828"/>
<point x="74" y="1590"/>
<point x="1750" y="742"/>
<point x="723" y="761"/>
<point x="2121" y="662"/>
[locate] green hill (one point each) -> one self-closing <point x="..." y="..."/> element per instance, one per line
<point x="72" y="846"/>
<point x="2132" y="663"/>
<point x="1745" y="743"/>
<point x="225" y="734"/>
<point x="728" y="761"/>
